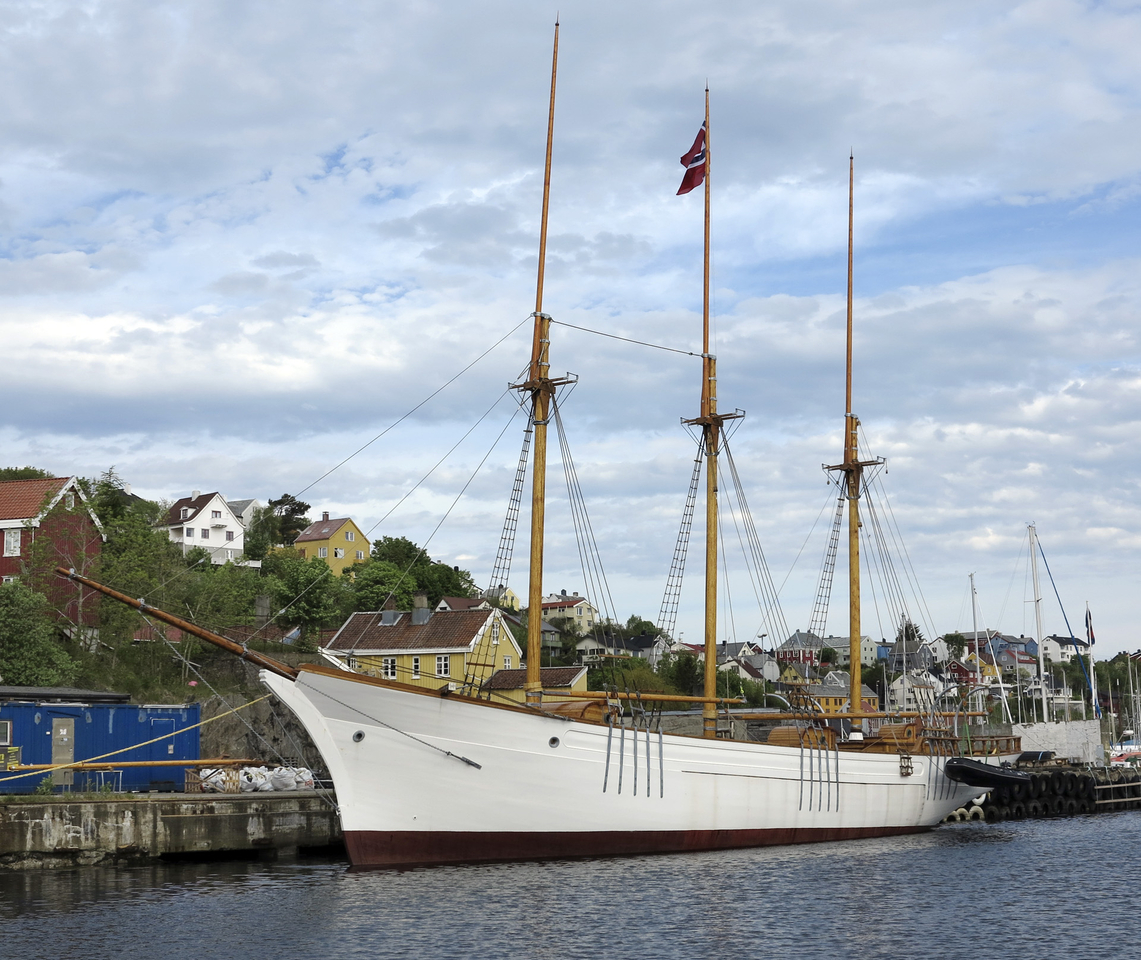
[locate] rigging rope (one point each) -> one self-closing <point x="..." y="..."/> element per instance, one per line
<point x="614" y="336"/>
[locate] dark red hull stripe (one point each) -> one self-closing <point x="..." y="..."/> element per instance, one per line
<point x="374" y="848"/>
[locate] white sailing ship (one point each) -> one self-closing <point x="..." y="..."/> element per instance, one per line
<point x="428" y="776"/>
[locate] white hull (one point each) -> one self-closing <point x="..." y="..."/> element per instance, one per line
<point x="548" y="786"/>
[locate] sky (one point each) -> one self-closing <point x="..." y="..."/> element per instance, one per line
<point x="238" y="242"/>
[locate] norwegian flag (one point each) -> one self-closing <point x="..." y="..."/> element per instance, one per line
<point x="1089" y="627"/>
<point x="694" y="163"/>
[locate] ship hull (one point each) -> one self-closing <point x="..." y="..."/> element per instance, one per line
<point x="429" y="779"/>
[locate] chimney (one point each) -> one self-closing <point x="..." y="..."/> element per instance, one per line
<point x="325" y="515"/>
<point x="195" y="494"/>
<point x="389" y="615"/>
<point x="420" y="612"/>
<point x="127" y="489"/>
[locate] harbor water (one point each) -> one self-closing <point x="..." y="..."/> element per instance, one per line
<point x="1028" y="889"/>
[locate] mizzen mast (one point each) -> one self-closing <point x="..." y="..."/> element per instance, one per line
<point x="542" y="389"/>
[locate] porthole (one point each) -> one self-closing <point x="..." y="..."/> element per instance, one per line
<point x="554" y="742"/>
<point x="358" y="736"/>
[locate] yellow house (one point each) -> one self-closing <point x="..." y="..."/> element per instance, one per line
<point x="979" y="665"/>
<point x="339" y="542"/>
<point x="457" y="649"/>
<point x="508" y="684"/>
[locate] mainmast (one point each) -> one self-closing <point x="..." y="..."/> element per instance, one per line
<point x="711" y="423"/>
<point x="542" y="390"/>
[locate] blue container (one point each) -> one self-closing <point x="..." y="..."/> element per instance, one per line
<point x="49" y="732"/>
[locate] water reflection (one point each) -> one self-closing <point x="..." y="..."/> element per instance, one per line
<point x="955" y="892"/>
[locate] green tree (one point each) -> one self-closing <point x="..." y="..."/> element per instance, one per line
<point x="24" y="473"/>
<point x="263" y="533"/>
<point x="369" y="585"/>
<point x="828" y="655"/>
<point x="956" y="644"/>
<point x="306" y="595"/>
<point x="29" y="652"/>
<point x="291" y="517"/>
<point x="434" y="578"/>
<point x="683" y="671"/>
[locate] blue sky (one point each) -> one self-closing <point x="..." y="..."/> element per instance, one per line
<point x="237" y="242"/>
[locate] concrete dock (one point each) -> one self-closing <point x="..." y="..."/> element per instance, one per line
<point x="62" y="832"/>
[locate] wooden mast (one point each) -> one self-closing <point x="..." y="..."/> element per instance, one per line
<point x="710" y="432"/>
<point x="853" y="470"/>
<point x="541" y="388"/>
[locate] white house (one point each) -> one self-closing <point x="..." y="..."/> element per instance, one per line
<point x="922" y="690"/>
<point x="206" y="520"/>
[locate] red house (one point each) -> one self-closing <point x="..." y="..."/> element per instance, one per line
<point x="45" y="524"/>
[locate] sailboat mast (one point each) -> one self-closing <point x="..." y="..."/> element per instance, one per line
<point x="1038" y="618"/>
<point x="710" y="432"/>
<point x="542" y="389"/>
<point x="853" y="470"/>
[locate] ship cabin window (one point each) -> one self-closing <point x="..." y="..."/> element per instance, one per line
<point x="350" y="536"/>
<point x="443" y="666"/>
<point x="388" y="668"/>
<point x="323" y="552"/>
<point x="338" y="553"/>
<point x="415" y="668"/>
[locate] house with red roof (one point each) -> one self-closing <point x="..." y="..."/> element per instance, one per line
<point x="47" y="523"/>
<point x="337" y="540"/>
<point x="457" y="649"/>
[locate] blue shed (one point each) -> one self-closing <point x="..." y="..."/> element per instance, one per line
<point x="61" y="725"/>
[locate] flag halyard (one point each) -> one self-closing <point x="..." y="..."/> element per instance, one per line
<point x="694" y="162"/>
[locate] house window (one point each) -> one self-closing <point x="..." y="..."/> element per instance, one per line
<point x="185" y="513"/>
<point x="189" y="533"/>
<point x="388" y="668"/>
<point x="12" y="542"/>
<point x="415" y="668"/>
<point x="353" y="663"/>
<point x="5" y="733"/>
<point x="69" y="500"/>
<point x="229" y="534"/>
<point x="495" y="632"/>
<point x="9" y="579"/>
<point x="443" y="666"/>
<point x="216" y="514"/>
<point x="350" y="536"/>
<point x="338" y="553"/>
<point x="323" y="551"/>
<point x="205" y="533"/>
<point x="506" y="663"/>
<point x="360" y="554"/>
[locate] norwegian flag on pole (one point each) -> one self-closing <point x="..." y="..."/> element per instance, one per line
<point x="694" y="163"/>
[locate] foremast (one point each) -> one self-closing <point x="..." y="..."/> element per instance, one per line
<point x="711" y="423"/>
<point x="853" y="470"/>
<point x="541" y="388"/>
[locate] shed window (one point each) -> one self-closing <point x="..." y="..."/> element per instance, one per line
<point x="5" y="733"/>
